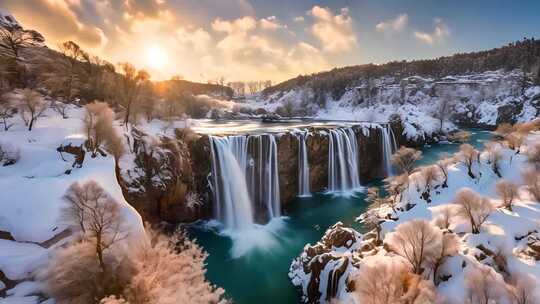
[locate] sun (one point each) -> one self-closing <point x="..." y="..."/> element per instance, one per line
<point x="156" y="57"/>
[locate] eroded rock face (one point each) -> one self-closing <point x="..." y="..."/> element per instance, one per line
<point x="317" y="146"/>
<point x="322" y="270"/>
<point x="164" y="173"/>
<point x="287" y="145"/>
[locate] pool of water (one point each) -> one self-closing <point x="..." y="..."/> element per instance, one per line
<point x="254" y="269"/>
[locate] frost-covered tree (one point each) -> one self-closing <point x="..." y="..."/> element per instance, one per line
<point x="484" y="286"/>
<point x="473" y="208"/>
<point x="429" y="176"/>
<point x="508" y="192"/>
<point x="533" y="155"/>
<point x="468" y="155"/>
<point x="100" y="132"/>
<point x="503" y="130"/>
<point x="443" y="163"/>
<point x="443" y="217"/>
<point x="169" y="271"/>
<point x="494" y="156"/>
<point x="96" y="215"/>
<point x="514" y="141"/>
<point x="129" y="87"/>
<point x="417" y="241"/>
<point x="531" y="178"/>
<point x="391" y="282"/>
<point x="395" y="186"/>
<point x="449" y="247"/>
<point x="404" y="159"/>
<point x="522" y="288"/>
<point x="31" y="105"/>
<point x="7" y="110"/>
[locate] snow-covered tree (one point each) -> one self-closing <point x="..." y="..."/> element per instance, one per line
<point x="473" y="208"/>
<point x="429" y="176"/>
<point x="522" y="288"/>
<point x="484" y="285"/>
<point x="417" y="241"/>
<point x="494" y="156"/>
<point x="533" y="155"/>
<point x="31" y="105"/>
<point x="100" y="132"/>
<point x="468" y="155"/>
<point x="514" y="141"/>
<point x="404" y="159"/>
<point x="508" y="192"/>
<point x="531" y="178"/>
<point x="443" y="163"/>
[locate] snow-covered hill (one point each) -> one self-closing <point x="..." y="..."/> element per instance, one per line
<point x="480" y="99"/>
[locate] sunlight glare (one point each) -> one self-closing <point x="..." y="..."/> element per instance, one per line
<point x="156" y="57"/>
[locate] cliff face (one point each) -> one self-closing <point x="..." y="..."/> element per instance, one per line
<point x="167" y="179"/>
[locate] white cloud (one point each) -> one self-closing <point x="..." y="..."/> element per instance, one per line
<point x="271" y="23"/>
<point x="396" y="25"/>
<point x="439" y="34"/>
<point x="243" y="24"/>
<point x="334" y="32"/>
<point x="299" y="19"/>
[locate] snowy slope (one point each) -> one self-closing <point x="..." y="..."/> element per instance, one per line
<point x="31" y="190"/>
<point x="508" y="232"/>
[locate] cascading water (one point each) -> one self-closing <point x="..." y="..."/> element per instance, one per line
<point x="389" y="147"/>
<point x="245" y="179"/>
<point x="343" y="160"/>
<point x="229" y="161"/>
<point x="303" y="166"/>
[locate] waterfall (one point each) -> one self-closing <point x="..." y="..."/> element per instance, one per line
<point x="229" y="160"/>
<point x="389" y="147"/>
<point x="245" y="179"/>
<point x="303" y="165"/>
<point x="342" y="160"/>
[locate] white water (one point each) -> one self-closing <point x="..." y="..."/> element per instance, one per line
<point x="389" y="147"/>
<point x="245" y="179"/>
<point x="343" y="160"/>
<point x="232" y="204"/>
<point x="303" y="166"/>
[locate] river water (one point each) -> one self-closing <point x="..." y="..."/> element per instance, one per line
<point x="253" y="268"/>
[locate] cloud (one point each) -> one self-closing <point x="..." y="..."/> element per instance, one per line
<point x="243" y="24"/>
<point x="393" y="25"/>
<point x="271" y="23"/>
<point x="439" y="34"/>
<point x="334" y="32"/>
<point x="56" y="21"/>
<point x="299" y="19"/>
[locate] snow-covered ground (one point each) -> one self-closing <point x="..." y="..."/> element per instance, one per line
<point x="474" y="98"/>
<point x="505" y="232"/>
<point x="31" y="193"/>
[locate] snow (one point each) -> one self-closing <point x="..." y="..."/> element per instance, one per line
<point x="504" y="231"/>
<point x="32" y="191"/>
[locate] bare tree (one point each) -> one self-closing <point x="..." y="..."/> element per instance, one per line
<point x="494" y="155"/>
<point x="521" y="287"/>
<point x="531" y="178"/>
<point x="508" y="192"/>
<point x="449" y="247"/>
<point x="12" y="41"/>
<point x="514" y="141"/>
<point x="503" y="130"/>
<point x="483" y="285"/>
<point x="473" y="207"/>
<point x="395" y="186"/>
<point x="96" y="214"/>
<point x="533" y="155"/>
<point x="418" y="241"/>
<point x="391" y="282"/>
<point x="130" y="85"/>
<point x="31" y="106"/>
<point x="443" y="163"/>
<point x="468" y="155"/>
<point x="404" y="159"/>
<point x="443" y="109"/>
<point x="429" y="176"/>
<point x="7" y="110"/>
<point x="443" y="218"/>
<point x="460" y="137"/>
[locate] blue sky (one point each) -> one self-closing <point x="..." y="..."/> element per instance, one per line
<point x="261" y="39"/>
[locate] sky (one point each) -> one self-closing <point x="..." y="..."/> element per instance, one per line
<point x="247" y="40"/>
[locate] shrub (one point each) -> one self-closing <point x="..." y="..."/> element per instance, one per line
<point x="31" y="106"/>
<point x="417" y="241"/>
<point x="391" y="282"/>
<point x="503" y="130"/>
<point x="473" y="208"/>
<point x="514" y="141"/>
<point x="533" y="155"/>
<point x="531" y="178"/>
<point x="98" y="125"/>
<point x="521" y="287"/>
<point x="429" y="176"/>
<point x="460" y="137"/>
<point x="449" y="247"/>
<point x="9" y="155"/>
<point x="484" y="285"/>
<point x="508" y="192"/>
<point x="443" y="163"/>
<point x="494" y="155"/>
<point x="404" y="159"/>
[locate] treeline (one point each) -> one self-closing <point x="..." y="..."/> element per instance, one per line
<point x="523" y="54"/>
<point x="72" y="75"/>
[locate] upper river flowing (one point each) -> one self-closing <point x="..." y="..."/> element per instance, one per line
<point x="254" y="268"/>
